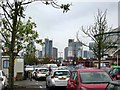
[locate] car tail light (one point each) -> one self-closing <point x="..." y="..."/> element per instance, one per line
<point x="118" y="76"/>
<point x="54" y="77"/>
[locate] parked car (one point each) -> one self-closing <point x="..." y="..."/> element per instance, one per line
<point x="29" y="68"/>
<point x="62" y="68"/>
<point x="2" y="87"/>
<point x="88" y="79"/>
<point x="115" y="72"/>
<point x="57" y="78"/>
<point x="41" y="73"/>
<point x="34" y="73"/>
<point x="52" y="66"/>
<point x="114" y="85"/>
<point x="4" y="77"/>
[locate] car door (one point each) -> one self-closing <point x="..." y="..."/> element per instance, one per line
<point x="73" y="81"/>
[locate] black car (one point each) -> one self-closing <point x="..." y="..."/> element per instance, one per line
<point x="113" y="85"/>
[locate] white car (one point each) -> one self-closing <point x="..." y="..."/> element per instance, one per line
<point x="57" y="78"/>
<point x="1" y="84"/>
<point x="62" y="68"/>
<point x="41" y="73"/>
<point x="5" y="80"/>
<point x="52" y="66"/>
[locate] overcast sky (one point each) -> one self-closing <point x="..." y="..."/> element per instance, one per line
<point x="59" y="27"/>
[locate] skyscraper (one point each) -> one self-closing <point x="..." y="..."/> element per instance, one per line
<point x="74" y="49"/>
<point x="66" y="53"/>
<point x="47" y="48"/>
<point x="55" y="53"/>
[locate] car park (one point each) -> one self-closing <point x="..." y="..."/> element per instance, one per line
<point x="88" y="79"/>
<point x="115" y="72"/>
<point x="4" y="78"/>
<point x="57" y="78"/>
<point x="113" y="85"/>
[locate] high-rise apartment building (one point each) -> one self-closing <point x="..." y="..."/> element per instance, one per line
<point x="74" y="49"/>
<point x="47" y="48"/>
<point x="66" y="53"/>
<point x="55" y="53"/>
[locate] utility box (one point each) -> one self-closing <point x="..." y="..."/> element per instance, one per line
<point x="18" y="66"/>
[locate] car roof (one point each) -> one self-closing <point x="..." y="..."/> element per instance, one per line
<point x="42" y="68"/>
<point x="90" y="70"/>
<point x="116" y="82"/>
<point x="60" y="70"/>
<point x="115" y="66"/>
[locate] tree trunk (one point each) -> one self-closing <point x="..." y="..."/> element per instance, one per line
<point x="12" y="57"/>
<point x="11" y="73"/>
<point x="99" y="63"/>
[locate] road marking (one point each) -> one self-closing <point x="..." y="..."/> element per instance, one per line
<point x="40" y="86"/>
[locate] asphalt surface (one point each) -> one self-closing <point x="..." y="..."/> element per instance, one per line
<point x="30" y="84"/>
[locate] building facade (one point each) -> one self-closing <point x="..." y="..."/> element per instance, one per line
<point x="55" y="53"/>
<point x="74" y="49"/>
<point x="47" y="48"/>
<point x="66" y="53"/>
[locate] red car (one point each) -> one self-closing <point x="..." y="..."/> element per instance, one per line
<point x="88" y="79"/>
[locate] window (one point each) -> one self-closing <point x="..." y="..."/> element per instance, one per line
<point x="5" y="63"/>
<point x="61" y="73"/>
<point x="74" y="76"/>
<point x="95" y="77"/>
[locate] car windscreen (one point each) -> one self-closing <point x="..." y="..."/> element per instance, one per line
<point x="61" y="73"/>
<point x="94" y="77"/>
<point x="53" y="66"/>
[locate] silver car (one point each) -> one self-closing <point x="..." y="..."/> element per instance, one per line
<point x="57" y="78"/>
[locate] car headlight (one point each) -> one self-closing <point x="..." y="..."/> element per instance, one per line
<point x="83" y="88"/>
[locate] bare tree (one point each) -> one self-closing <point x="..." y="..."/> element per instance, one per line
<point x="101" y="35"/>
<point x="12" y="11"/>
